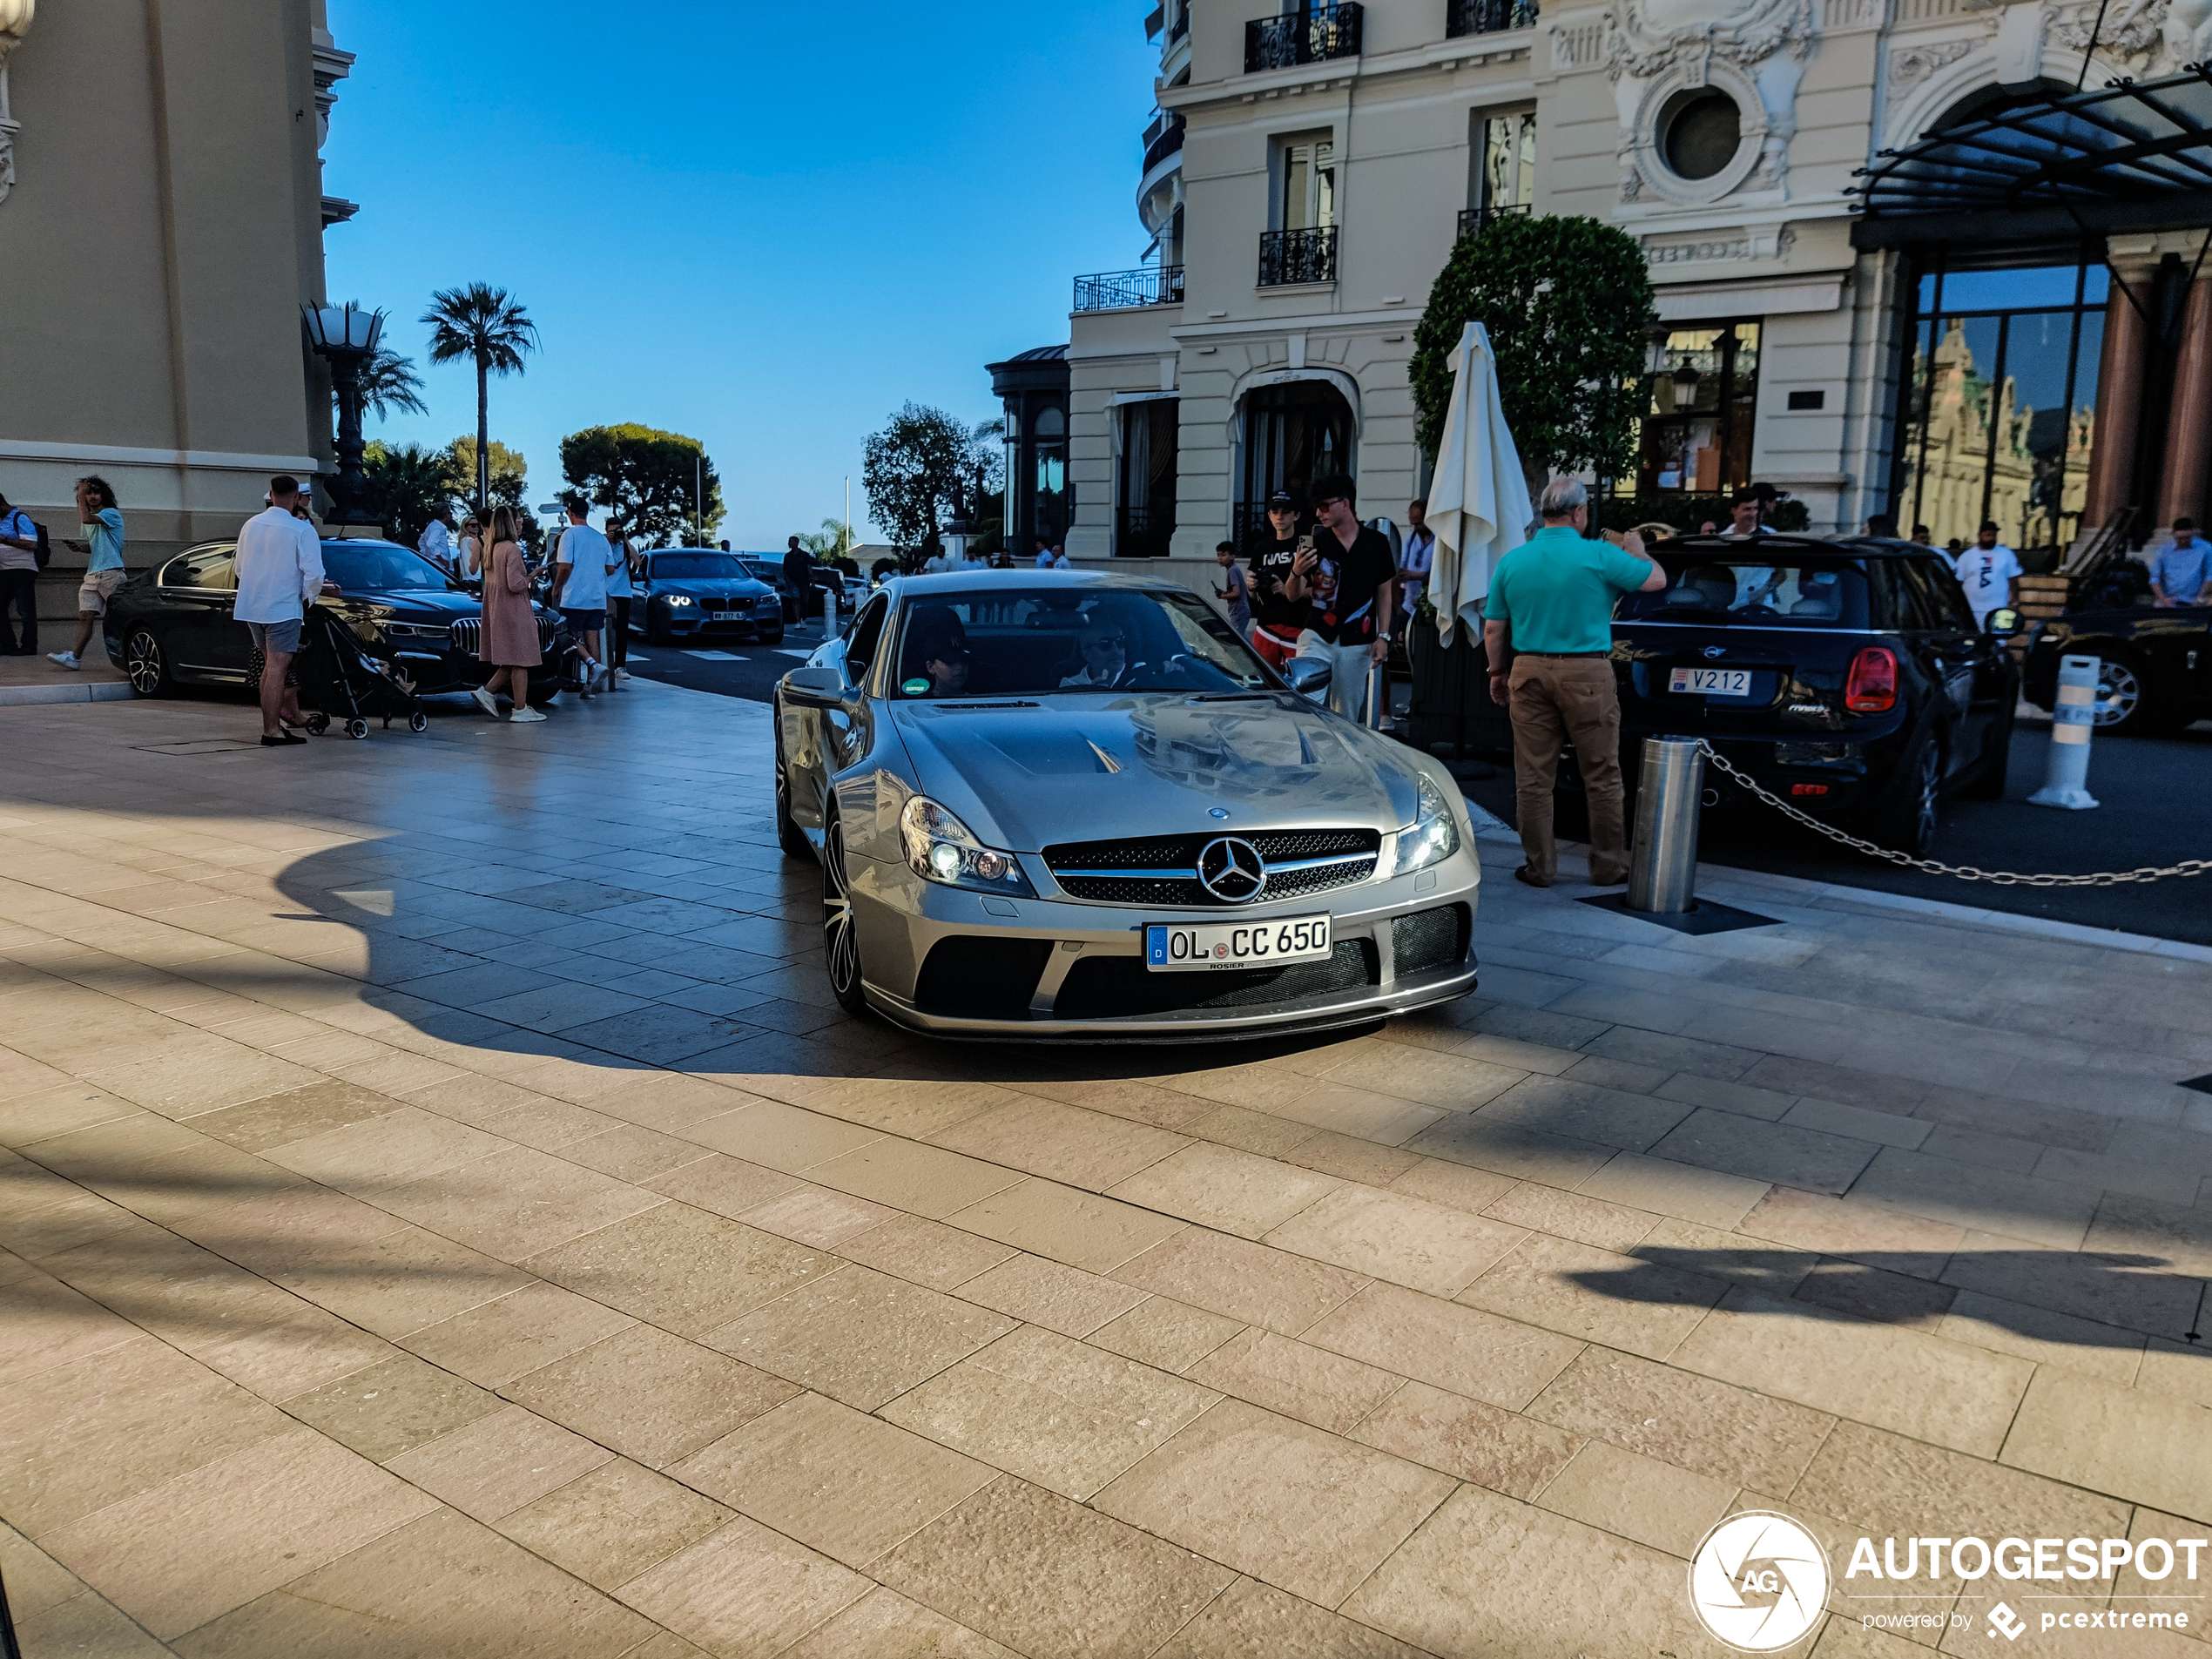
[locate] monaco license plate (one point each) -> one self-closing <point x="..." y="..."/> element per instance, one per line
<point x="1712" y="682"/>
<point x="1175" y="947"/>
<point x="729" y="615"/>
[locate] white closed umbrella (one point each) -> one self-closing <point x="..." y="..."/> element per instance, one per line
<point x="1478" y="502"/>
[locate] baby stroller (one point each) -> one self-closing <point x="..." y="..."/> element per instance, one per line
<point x="345" y="684"/>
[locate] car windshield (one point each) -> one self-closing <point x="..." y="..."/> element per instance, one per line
<point x="1705" y="589"/>
<point x="380" y="567"/>
<point x="1010" y="641"/>
<point x="677" y="567"/>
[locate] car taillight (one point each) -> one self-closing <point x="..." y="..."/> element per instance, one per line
<point x="1871" y="687"/>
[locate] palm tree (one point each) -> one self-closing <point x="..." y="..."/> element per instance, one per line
<point x="488" y="326"/>
<point x="389" y="382"/>
<point x="407" y="484"/>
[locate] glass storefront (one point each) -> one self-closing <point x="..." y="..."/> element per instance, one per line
<point x="1696" y="429"/>
<point x="2001" y="404"/>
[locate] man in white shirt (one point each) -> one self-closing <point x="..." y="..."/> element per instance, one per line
<point x="279" y="574"/>
<point x="581" y="566"/>
<point x="436" y="543"/>
<point x="1060" y="560"/>
<point x="1990" y="572"/>
<point x="1416" y="559"/>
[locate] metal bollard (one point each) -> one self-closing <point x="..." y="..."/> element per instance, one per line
<point x="1662" y="864"/>
<point x="829" y="615"/>
<point x="2072" y="721"/>
<point x="1377" y="708"/>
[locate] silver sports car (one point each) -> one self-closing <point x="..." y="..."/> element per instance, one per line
<point x="1056" y="804"/>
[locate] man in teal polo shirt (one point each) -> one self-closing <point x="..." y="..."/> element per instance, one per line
<point x="1547" y="625"/>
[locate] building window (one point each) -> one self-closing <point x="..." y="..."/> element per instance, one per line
<point x="1145" y="522"/>
<point x="1697" y="436"/>
<point x="1049" y="511"/>
<point x="2000" y="401"/>
<point x="1293" y="434"/>
<point x="1308" y="201"/>
<point x="1505" y="177"/>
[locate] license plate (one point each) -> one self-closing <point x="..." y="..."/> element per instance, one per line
<point x="1712" y="682"/>
<point x="1175" y="947"/>
<point x="729" y="615"/>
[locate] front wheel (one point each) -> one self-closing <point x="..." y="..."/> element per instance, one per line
<point x="146" y="666"/>
<point x="840" y="934"/>
<point x="2126" y="707"/>
<point x="357" y="727"/>
<point x="418" y="721"/>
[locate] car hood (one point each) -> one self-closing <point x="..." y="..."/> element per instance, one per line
<point x="418" y="601"/>
<point x="712" y="587"/>
<point x="1091" y="767"/>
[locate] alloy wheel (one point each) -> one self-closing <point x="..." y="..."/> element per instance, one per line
<point x="2119" y="693"/>
<point x="1930" y="793"/>
<point x="143" y="663"/>
<point x="840" y="942"/>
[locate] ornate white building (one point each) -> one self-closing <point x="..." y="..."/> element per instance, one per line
<point x="1307" y="174"/>
<point x="161" y="219"/>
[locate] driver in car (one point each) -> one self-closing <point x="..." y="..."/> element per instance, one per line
<point x="945" y="658"/>
<point x="1105" y="650"/>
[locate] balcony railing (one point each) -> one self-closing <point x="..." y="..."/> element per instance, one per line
<point x="1474" y="220"/>
<point x="1311" y="35"/>
<point x="1151" y="284"/>
<point x="1286" y="257"/>
<point x="1166" y="142"/>
<point x="1488" y="16"/>
<point x="1179" y="25"/>
<point x="1143" y="533"/>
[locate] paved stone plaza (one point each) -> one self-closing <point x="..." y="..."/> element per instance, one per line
<point x="446" y="1215"/>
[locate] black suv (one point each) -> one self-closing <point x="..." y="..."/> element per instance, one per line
<point x="1846" y="675"/>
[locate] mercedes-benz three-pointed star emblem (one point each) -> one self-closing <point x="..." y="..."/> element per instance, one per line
<point x="1232" y="870"/>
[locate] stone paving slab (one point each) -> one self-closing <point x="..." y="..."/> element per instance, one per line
<point x="441" y="1210"/>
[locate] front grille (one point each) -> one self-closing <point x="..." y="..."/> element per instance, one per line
<point x="467" y="632"/>
<point x="973" y="978"/>
<point x="1430" y="938"/>
<point x="1107" y="987"/>
<point x="1164" y="869"/>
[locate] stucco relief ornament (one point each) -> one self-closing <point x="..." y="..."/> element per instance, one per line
<point x="15" y="23"/>
<point x="1755" y="50"/>
<point x="1912" y="65"/>
<point x="2144" y="37"/>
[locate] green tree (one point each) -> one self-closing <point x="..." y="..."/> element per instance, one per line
<point x="653" y="482"/>
<point x="834" y="540"/>
<point x="407" y="484"/>
<point x="508" y="479"/>
<point x="1568" y="304"/>
<point x="389" y="382"/>
<point x="489" y="326"/>
<point x="913" y="467"/>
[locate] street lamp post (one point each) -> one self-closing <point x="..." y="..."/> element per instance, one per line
<point x="345" y="337"/>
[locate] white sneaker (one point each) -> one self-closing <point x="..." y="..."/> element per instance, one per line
<point x="522" y="715"/>
<point x="486" y="701"/>
<point x="622" y="674"/>
<point x="66" y="658"/>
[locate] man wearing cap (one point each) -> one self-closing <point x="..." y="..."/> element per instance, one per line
<point x="1548" y="626"/>
<point x="1273" y="551"/>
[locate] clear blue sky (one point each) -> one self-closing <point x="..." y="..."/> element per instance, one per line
<point x="763" y="226"/>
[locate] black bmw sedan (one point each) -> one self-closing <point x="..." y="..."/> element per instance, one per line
<point x="172" y="624"/>
<point x="1847" y="676"/>
<point x="699" y="593"/>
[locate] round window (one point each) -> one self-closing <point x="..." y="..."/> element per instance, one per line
<point x="1700" y="133"/>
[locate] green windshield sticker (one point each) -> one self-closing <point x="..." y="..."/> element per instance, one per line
<point x="915" y="687"/>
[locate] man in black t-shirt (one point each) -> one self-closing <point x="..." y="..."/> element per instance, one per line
<point x="1348" y="592"/>
<point x="1277" y="618"/>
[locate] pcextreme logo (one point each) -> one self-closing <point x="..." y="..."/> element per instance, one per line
<point x="1758" y="1582"/>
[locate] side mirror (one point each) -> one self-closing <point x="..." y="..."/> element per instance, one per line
<point x="2004" y="623"/>
<point x="1309" y="676"/>
<point x="815" y="688"/>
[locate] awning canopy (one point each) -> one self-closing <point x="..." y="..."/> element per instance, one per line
<point x="2135" y="155"/>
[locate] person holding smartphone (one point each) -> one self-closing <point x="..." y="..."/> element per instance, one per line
<point x="1236" y="593"/>
<point x="1278" y="617"/>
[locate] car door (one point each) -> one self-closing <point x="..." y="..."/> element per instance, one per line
<point x="1970" y="665"/>
<point x="196" y="593"/>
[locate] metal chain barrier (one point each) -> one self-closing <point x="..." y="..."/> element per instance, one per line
<point x="1964" y="871"/>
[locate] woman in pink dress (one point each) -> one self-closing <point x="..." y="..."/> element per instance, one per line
<point x="509" y="639"/>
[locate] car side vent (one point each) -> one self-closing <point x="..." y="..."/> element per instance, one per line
<point x="1430" y="938"/>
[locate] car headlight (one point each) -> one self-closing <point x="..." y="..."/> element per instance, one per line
<point x="680" y="599"/>
<point x="943" y="849"/>
<point x="1432" y="836"/>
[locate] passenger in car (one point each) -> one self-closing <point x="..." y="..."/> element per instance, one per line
<point x="944" y="654"/>
<point x="1104" y="652"/>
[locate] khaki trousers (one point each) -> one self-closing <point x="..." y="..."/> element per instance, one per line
<point x="1557" y="699"/>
